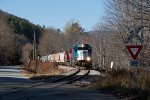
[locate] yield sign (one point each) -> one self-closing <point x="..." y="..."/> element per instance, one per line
<point x="134" y="50"/>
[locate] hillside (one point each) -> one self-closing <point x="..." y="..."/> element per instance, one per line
<point x="15" y="32"/>
<point x="21" y="25"/>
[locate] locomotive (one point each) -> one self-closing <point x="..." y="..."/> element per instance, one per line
<point x="80" y="55"/>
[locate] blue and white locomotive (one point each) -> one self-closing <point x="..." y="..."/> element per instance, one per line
<point x="83" y="55"/>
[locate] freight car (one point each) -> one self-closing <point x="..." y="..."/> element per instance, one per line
<point x="80" y="55"/>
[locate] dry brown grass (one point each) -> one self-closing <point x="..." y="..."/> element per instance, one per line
<point x="48" y="68"/>
<point x="122" y="82"/>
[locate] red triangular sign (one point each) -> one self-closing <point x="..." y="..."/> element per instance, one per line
<point x="134" y="50"/>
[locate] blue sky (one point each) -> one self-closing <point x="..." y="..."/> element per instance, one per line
<point x="56" y="13"/>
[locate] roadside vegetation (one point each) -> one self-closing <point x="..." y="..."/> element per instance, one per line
<point x="42" y="70"/>
<point x="124" y="84"/>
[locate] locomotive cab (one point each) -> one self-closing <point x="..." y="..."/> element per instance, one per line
<point x="83" y="55"/>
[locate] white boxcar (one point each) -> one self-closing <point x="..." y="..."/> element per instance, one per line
<point x="62" y="57"/>
<point x="49" y="58"/>
<point x="52" y="57"/>
<point x="57" y="57"/>
<point x="44" y="58"/>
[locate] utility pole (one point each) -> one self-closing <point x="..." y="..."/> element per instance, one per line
<point x="33" y="49"/>
<point x="34" y="52"/>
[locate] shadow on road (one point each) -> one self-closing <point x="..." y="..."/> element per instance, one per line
<point x="4" y="80"/>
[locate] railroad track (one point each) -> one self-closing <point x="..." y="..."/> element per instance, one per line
<point x="67" y="78"/>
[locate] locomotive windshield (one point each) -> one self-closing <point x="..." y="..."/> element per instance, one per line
<point x="83" y="52"/>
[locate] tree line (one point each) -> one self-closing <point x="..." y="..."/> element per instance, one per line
<point x="15" y="32"/>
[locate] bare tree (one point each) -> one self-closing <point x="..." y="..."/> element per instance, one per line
<point x="26" y="52"/>
<point x="50" y="42"/>
<point x="109" y="45"/>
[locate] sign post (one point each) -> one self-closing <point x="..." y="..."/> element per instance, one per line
<point x="134" y="48"/>
<point x="111" y="65"/>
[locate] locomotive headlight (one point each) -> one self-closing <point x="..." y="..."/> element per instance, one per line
<point x="82" y="45"/>
<point x="78" y="58"/>
<point x="88" y="58"/>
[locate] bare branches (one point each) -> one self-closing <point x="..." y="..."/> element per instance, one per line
<point x="50" y="42"/>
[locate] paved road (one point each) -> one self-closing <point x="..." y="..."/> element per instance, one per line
<point x="12" y="80"/>
<point x="12" y="74"/>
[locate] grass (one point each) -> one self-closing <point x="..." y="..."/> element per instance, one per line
<point x="43" y="70"/>
<point x="123" y="83"/>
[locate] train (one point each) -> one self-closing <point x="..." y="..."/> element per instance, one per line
<point x="79" y="55"/>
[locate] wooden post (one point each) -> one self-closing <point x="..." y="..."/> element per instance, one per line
<point x="34" y="52"/>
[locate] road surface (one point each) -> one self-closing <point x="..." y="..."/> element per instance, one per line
<point x="11" y="80"/>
